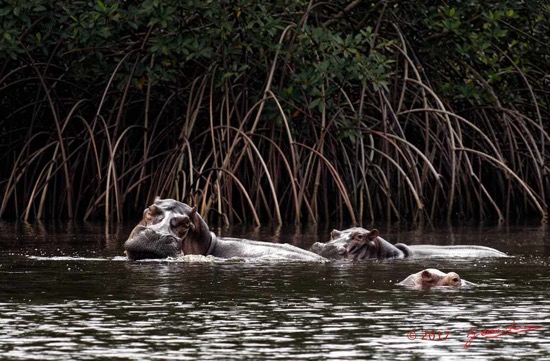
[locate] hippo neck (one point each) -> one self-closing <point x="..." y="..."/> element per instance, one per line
<point x="212" y="244"/>
<point x="199" y="243"/>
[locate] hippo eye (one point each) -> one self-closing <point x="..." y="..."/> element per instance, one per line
<point x="150" y="213"/>
<point x="455" y="280"/>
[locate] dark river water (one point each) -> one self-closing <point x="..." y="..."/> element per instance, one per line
<point x="67" y="293"/>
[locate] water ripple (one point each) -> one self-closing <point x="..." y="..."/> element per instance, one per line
<point x="71" y="307"/>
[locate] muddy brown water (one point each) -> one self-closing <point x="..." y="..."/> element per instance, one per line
<point x="66" y="293"/>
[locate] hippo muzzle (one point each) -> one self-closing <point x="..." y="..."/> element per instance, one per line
<point x="148" y="243"/>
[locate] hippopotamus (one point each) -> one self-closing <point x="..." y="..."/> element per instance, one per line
<point x="170" y="228"/>
<point x="432" y="277"/>
<point x="359" y="243"/>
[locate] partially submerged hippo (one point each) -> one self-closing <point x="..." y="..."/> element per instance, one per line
<point x="170" y="228"/>
<point x="432" y="277"/>
<point x="358" y="243"/>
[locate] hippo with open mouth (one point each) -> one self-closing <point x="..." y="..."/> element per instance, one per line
<point x="170" y="228"/>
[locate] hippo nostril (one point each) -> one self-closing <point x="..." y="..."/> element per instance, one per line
<point x="168" y="240"/>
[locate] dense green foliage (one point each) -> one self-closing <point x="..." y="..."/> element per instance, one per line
<point x="292" y="109"/>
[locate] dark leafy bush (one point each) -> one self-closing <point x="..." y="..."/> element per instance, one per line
<point x="285" y="110"/>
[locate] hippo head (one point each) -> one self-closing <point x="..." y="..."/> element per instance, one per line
<point x="351" y="235"/>
<point x="168" y="228"/>
<point x="358" y="242"/>
<point x="432" y="277"/>
<point x="364" y="245"/>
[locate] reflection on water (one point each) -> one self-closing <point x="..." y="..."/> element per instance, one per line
<point x="66" y="293"/>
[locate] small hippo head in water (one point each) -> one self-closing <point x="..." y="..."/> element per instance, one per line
<point x="432" y="277"/>
<point x="361" y="243"/>
<point x="168" y="228"/>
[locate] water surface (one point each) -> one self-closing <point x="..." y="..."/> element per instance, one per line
<point x="66" y="292"/>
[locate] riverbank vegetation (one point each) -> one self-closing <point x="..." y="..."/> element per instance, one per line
<point x="287" y="111"/>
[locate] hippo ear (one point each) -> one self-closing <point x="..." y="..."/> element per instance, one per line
<point x="157" y="198"/>
<point x="335" y="234"/>
<point x="373" y="234"/>
<point x="195" y="218"/>
<point x="426" y="275"/>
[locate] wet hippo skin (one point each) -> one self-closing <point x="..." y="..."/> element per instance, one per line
<point x="432" y="277"/>
<point x="170" y="228"/>
<point x="359" y="243"/>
